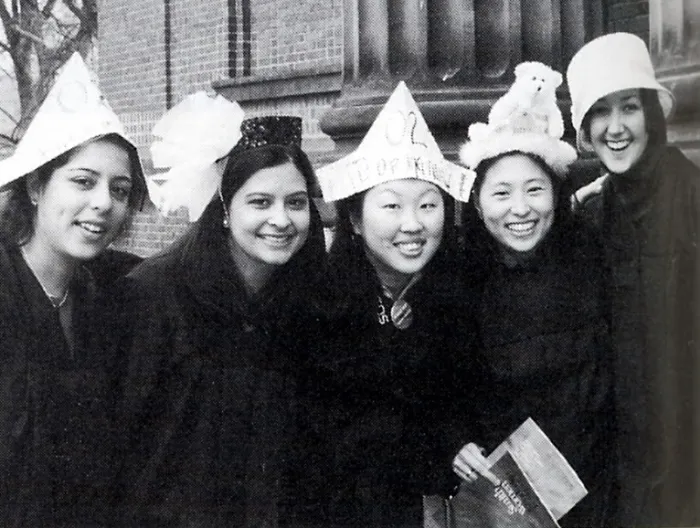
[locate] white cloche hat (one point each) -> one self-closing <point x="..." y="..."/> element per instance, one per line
<point x="397" y="146"/>
<point x="608" y="64"/>
<point x="73" y="112"/>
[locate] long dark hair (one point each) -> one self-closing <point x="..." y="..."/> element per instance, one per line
<point x="209" y="232"/>
<point x="17" y="214"/>
<point x="479" y="244"/>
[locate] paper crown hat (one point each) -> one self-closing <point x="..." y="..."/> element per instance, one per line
<point x="189" y="139"/>
<point x="523" y="120"/>
<point x="398" y="145"/>
<point x="73" y="112"/>
<point x="608" y="64"/>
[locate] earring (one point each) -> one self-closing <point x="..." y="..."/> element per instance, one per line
<point x="225" y="222"/>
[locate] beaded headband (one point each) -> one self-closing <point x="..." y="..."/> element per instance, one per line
<point x="269" y="130"/>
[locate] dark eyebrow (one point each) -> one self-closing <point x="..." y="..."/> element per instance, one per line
<point x="124" y="177"/>
<point x="536" y="179"/>
<point x="93" y="172"/>
<point x="432" y="190"/>
<point x="84" y="169"/>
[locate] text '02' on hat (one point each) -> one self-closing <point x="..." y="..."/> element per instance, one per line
<point x="609" y="64"/>
<point x="397" y="146"/>
<point x="74" y="112"/>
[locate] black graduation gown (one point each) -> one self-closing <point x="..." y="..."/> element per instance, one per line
<point x="207" y="392"/>
<point x="545" y="341"/>
<point x="387" y="395"/>
<point x="651" y="232"/>
<point x="53" y="420"/>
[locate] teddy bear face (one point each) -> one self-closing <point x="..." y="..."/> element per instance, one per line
<point x="534" y="78"/>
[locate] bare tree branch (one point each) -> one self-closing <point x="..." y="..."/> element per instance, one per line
<point x="7" y="138"/>
<point x="5" y="16"/>
<point x="39" y="33"/>
<point x="48" y="8"/>
<point x="30" y="36"/>
<point x="79" y="13"/>
<point x="9" y="116"/>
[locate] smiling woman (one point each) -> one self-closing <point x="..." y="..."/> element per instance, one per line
<point x="617" y="129"/>
<point x="401" y="223"/>
<point x="515" y="198"/>
<point x="63" y="210"/>
<point x="647" y="211"/>
<point x="269" y="222"/>
<point x="541" y="316"/>
<point x="211" y="337"/>
<point x="398" y="328"/>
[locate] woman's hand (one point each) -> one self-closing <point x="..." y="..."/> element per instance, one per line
<point x="585" y="192"/>
<point x="470" y="463"/>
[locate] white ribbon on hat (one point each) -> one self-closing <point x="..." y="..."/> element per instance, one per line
<point x="190" y="138"/>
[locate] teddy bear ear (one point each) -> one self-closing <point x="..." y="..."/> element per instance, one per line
<point x="521" y="68"/>
<point x="557" y="78"/>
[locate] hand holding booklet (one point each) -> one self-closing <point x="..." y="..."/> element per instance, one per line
<point x="538" y="486"/>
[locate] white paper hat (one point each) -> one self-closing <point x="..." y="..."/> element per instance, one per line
<point x="190" y="137"/>
<point x="73" y="112"/>
<point x="608" y="64"/>
<point x="530" y="127"/>
<point x="398" y="145"/>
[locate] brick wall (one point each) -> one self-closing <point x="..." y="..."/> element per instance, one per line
<point x="199" y="45"/>
<point x="295" y="36"/>
<point x="631" y="16"/>
<point x="287" y="38"/>
<point x="132" y="62"/>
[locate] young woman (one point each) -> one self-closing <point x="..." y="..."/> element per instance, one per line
<point x="541" y="322"/>
<point x="399" y="329"/>
<point x="647" y="212"/>
<point x="541" y="314"/>
<point x="208" y="333"/>
<point x="388" y="365"/>
<point x="59" y="215"/>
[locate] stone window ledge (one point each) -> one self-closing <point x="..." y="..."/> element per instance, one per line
<point x="294" y="85"/>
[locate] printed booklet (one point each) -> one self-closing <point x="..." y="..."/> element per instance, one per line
<point x="538" y="486"/>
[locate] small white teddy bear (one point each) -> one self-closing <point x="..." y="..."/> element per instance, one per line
<point x="530" y="105"/>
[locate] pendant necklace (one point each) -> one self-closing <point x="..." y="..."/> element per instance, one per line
<point x="55" y="300"/>
<point x="401" y="313"/>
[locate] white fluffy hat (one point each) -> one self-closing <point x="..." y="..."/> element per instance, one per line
<point x="189" y="139"/>
<point x="398" y="145"/>
<point x="519" y="133"/>
<point x="608" y="64"/>
<point x="73" y="112"/>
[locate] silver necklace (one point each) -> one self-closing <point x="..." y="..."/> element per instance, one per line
<point x="55" y="300"/>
